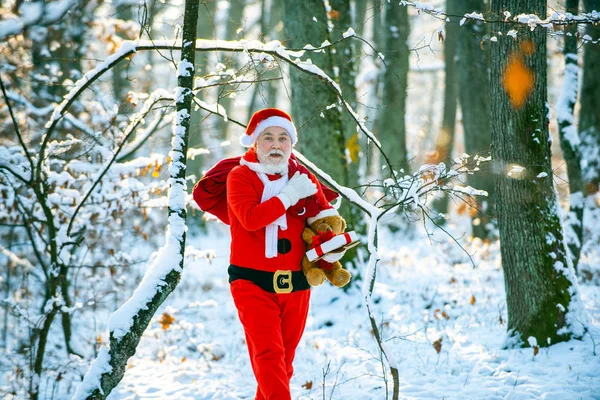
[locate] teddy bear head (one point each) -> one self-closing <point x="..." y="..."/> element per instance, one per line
<point x="334" y="223"/>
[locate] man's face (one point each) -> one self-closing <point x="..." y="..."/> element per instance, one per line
<point x="274" y="146"/>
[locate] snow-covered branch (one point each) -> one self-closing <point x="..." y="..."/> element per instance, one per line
<point x="557" y="18"/>
<point x="38" y="13"/>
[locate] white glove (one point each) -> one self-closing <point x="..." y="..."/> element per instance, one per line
<point x="298" y="187"/>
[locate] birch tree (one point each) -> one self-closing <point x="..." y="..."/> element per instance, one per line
<point x="541" y="290"/>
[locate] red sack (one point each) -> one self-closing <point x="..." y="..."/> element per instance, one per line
<point x="210" y="193"/>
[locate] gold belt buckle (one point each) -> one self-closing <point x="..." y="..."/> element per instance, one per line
<point x="282" y="281"/>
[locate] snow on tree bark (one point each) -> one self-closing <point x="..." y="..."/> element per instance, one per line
<point x="589" y="117"/>
<point x="128" y="324"/>
<point x="569" y="139"/>
<point x="541" y="290"/>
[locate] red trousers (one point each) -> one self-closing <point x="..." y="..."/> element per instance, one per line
<point x="273" y="324"/>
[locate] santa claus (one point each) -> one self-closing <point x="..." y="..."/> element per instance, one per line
<point x="269" y="198"/>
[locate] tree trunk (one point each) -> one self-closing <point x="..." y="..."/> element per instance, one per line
<point x="473" y="83"/>
<point x="235" y="14"/>
<point x="108" y="369"/>
<point x="198" y="138"/>
<point x="569" y="139"/>
<point x="539" y="280"/>
<point x="589" y="117"/>
<point x="120" y="82"/>
<point x="265" y="94"/>
<point x="344" y="61"/>
<point x="445" y="140"/>
<point x="390" y="125"/>
<point x="321" y="139"/>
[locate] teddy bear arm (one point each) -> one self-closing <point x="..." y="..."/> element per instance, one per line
<point x="307" y="235"/>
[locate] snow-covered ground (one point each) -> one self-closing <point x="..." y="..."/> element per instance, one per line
<point x="424" y="292"/>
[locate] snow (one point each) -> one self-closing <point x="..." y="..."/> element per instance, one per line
<point x="203" y="356"/>
<point x="567" y="99"/>
<point x="92" y="377"/>
<point x="348" y="33"/>
<point x="35" y="13"/>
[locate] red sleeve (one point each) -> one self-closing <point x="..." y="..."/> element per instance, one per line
<point x="243" y="198"/>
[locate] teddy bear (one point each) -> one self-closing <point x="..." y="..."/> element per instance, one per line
<point x="317" y="272"/>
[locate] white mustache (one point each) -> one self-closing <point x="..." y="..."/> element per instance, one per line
<point x="279" y="152"/>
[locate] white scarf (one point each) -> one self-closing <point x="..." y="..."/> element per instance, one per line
<point x="272" y="189"/>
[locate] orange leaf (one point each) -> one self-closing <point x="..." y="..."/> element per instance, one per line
<point x="166" y="320"/>
<point x="527" y="47"/>
<point x="353" y="148"/>
<point x="536" y="350"/>
<point x="517" y="81"/>
<point x="334" y="15"/>
<point x="472" y="302"/>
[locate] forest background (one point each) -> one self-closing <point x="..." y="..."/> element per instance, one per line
<point x="464" y="137"/>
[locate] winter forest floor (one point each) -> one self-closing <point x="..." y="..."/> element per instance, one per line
<point x="424" y="292"/>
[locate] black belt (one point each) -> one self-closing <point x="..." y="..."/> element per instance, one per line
<point x="280" y="281"/>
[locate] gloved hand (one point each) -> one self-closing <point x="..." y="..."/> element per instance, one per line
<point x="298" y="187"/>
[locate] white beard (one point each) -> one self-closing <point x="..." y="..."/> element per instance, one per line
<point x="269" y="166"/>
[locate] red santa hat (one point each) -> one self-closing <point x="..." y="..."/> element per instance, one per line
<point x="264" y="119"/>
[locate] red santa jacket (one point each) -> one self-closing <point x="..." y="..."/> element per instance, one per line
<point x="248" y="218"/>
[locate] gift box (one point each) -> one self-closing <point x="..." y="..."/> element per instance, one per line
<point x="338" y="244"/>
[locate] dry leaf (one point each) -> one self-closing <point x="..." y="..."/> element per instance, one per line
<point x="536" y="350"/>
<point x="437" y="345"/>
<point x="183" y="359"/>
<point x="472" y="302"/>
<point x="166" y="320"/>
<point x="334" y="15"/>
<point x="307" y="385"/>
<point x="353" y="147"/>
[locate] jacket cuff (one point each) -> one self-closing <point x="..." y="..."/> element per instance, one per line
<point x="285" y="200"/>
